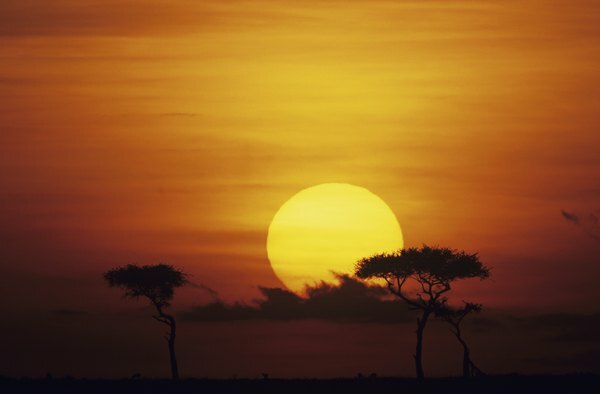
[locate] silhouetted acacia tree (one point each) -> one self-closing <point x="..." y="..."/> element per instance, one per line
<point x="432" y="269"/>
<point x="454" y="317"/>
<point x="157" y="283"/>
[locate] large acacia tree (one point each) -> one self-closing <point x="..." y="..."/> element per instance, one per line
<point x="157" y="283"/>
<point x="428" y="272"/>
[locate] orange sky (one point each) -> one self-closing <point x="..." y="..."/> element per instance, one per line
<point x="179" y="130"/>
<point x="174" y="131"/>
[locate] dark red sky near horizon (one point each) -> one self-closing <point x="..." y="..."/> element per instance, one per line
<point x="172" y="131"/>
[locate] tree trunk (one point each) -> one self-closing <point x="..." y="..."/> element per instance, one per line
<point x="421" y="323"/>
<point x="466" y="361"/>
<point x="466" y="354"/>
<point x="171" y="343"/>
<point x="170" y="337"/>
<point x="466" y="364"/>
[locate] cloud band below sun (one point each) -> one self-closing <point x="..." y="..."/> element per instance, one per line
<point x="349" y="301"/>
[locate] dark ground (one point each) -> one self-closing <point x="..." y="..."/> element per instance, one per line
<point x="581" y="383"/>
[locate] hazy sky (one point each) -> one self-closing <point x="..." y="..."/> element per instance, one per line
<point x="174" y="130"/>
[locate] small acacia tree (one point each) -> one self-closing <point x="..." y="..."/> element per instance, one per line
<point x="157" y="283"/>
<point x="454" y="317"/>
<point x="432" y="270"/>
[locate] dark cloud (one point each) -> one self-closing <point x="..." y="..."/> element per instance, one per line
<point x="570" y="217"/>
<point x="69" y="312"/>
<point x="349" y="301"/>
<point x="559" y="327"/>
<point x="569" y="326"/>
<point x="213" y="293"/>
<point x="589" y="223"/>
<point x="485" y="324"/>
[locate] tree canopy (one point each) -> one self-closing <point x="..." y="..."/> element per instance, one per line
<point x="156" y="282"/>
<point x="434" y="268"/>
<point x="455" y="315"/>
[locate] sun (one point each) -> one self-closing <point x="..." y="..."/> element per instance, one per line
<point x="326" y="228"/>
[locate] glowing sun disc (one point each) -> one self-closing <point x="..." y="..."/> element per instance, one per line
<point x="327" y="228"/>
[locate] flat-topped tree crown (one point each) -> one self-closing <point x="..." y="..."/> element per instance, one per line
<point x="156" y="282"/>
<point x="433" y="269"/>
